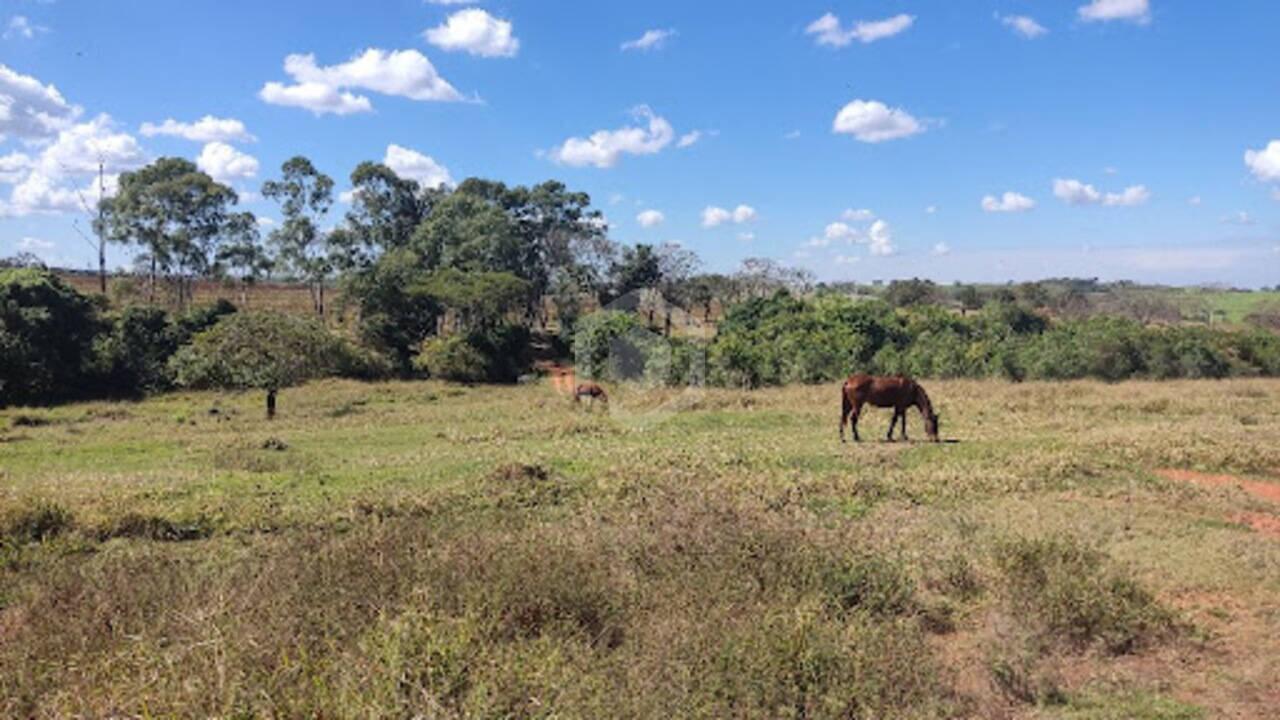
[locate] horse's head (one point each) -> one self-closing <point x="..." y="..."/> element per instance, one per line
<point x="931" y="426"/>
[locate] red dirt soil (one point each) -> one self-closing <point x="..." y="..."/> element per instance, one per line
<point x="1261" y="522"/>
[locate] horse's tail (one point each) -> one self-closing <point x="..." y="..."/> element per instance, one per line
<point x="846" y="407"/>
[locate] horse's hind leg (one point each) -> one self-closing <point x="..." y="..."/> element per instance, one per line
<point x="892" y="423"/>
<point x="903" y="415"/>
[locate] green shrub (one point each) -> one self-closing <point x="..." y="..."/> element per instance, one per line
<point x="132" y="357"/>
<point x="452" y="358"/>
<point x="1066" y="591"/>
<point x="46" y="338"/>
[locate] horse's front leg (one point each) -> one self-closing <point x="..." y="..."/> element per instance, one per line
<point x="892" y="424"/>
<point x="903" y="415"/>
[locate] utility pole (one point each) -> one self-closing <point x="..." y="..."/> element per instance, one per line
<point x="102" y="228"/>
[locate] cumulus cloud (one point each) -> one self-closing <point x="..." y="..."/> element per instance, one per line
<point x="1132" y="195"/>
<point x="1239" y="218"/>
<point x="880" y="239"/>
<point x="327" y="89"/>
<point x="713" y="216"/>
<point x="872" y="121"/>
<point x="1009" y="202"/>
<point x="1074" y="192"/>
<point x="225" y="163"/>
<point x="1194" y="200"/>
<point x="827" y="30"/>
<point x="650" y="40"/>
<point x="604" y="148"/>
<point x="14" y="167"/>
<point x="206" y="129"/>
<point x="858" y="215"/>
<point x="746" y="236"/>
<point x="1023" y="25"/>
<point x="45" y="183"/>
<point x="1138" y="11"/>
<point x="415" y="166"/>
<point x="941" y="249"/>
<point x="31" y="110"/>
<point x="1264" y="163"/>
<point x="476" y="32"/>
<point x="650" y="218"/>
<point x="840" y="232"/>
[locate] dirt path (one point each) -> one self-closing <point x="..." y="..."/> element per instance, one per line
<point x="1266" y="523"/>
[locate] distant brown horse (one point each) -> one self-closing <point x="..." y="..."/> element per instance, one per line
<point x="590" y="390"/>
<point x="897" y="392"/>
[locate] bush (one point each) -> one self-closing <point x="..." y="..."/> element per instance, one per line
<point x="260" y="350"/>
<point x="132" y="357"/>
<point x="1064" y="590"/>
<point x="46" y="338"/>
<point x="497" y="355"/>
<point x="452" y="358"/>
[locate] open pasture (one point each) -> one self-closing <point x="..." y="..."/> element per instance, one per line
<point x="1075" y="550"/>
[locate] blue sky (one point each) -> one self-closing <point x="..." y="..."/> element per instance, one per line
<point x="974" y="140"/>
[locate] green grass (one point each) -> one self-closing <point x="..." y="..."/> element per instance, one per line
<point x="402" y="549"/>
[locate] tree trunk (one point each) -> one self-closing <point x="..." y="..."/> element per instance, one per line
<point x="271" y="404"/>
<point x="151" y="282"/>
<point x="320" y="295"/>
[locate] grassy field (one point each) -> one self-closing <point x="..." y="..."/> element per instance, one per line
<point x="427" y="550"/>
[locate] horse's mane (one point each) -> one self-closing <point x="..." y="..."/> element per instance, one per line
<point x="922" y="399"/>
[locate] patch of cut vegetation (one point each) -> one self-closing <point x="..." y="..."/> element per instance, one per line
<point x="153" y="527"/>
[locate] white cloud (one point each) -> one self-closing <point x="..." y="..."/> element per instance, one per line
<point x="79" y="148"/>
<point x="20" y="27"/>
<point x="415" y="166"/>
<point x="793" y="135"/>
<point x="1138" y="11"/>
<point x="1009" y="202"/>
<point x="839" y="231"/>
<point x="1132" y="195"/>
<point x="1264" y="163"/>
<point x="476" y="32"/>
<point x="14" y="167"/>
<point x="225" y="163"/>
<point x="1239" y="218"/>
<point x="400" y="73"/>
<point x="604" y="148"/>
<point x="932" y="209"/>
<point x="650" y="40"/>
<point x="872" y="121"/>
<point x="266" y="222"/>
<point x="827" y="30"/>
<point x="1074" y="192"/>
<point x="1194" y="200"/>
<point x="746" y="236"/>
<point x="452" y="2"/>
<point x="859" y="215"/>
<point x="206" y="129"/>
<point x="713" y="216"/>
<point x="1023" y="25"/>
<point x="880" y="239"/>
<point x="650" y="218"/>
<point x="844" y="259"/>
<point x="47" y="181"/>
<point x="941" y="249"/>
<point x="31" y="110"/>
<point x="689" y="138"/>
<point x="743" y="214"/>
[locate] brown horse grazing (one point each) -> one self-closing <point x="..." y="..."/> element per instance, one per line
<point x="897" y="392"/>
<point x="591" y="390"/>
